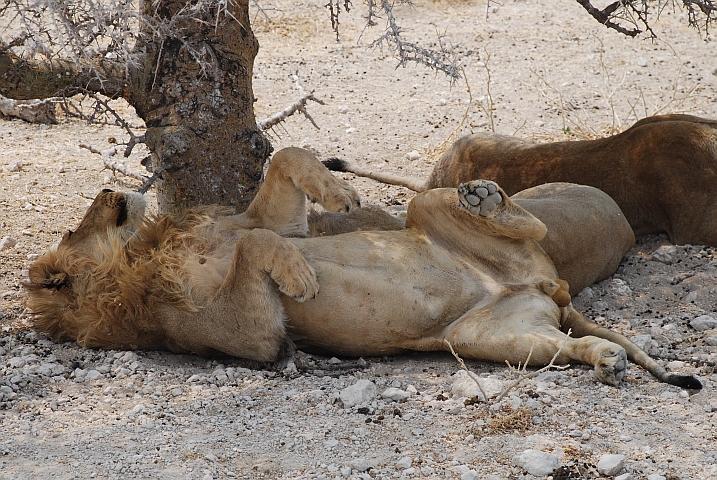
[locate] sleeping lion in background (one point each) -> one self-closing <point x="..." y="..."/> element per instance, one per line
<point x="661" y="172"/>
<point x="466" y="269"/>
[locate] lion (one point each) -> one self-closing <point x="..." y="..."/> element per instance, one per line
<point x="466" y="271"/>
<point x="662" y="171"/>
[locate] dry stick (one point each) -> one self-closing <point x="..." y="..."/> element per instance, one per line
<point x="115" y="166"/>
<point x="526" y="375"/>
<point x="491" y="105"/>
<point x="470" y="374"/>
<point x="298" y="106"/>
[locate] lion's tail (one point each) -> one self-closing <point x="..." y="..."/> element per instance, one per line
<point x="338" y="165"/>
<point x="581" y="327"/>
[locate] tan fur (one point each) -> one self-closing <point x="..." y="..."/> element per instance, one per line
<point x="662" y="172"/>
<point x="208" y="282"/>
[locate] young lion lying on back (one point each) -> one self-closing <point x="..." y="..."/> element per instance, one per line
<point x="467" y="269"/>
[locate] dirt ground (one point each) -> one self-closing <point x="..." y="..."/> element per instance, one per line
<point x="540" y="69"/>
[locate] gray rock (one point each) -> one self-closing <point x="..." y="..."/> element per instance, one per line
<point x="625" y="476"/>
<point x="656" y="476"/>
<point x="7" y="242"/>
<point x="537" y="462"/>
<point x="361" y="392"/>
<point x="703" y="322"/>
<point x="395" y="394"/>
<point x="661" y="256"/>
<point x="404" y="463"/>
<point x="465" y="386"/>
<point x="610" y="464"/>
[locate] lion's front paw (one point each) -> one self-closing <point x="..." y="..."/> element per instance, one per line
<point x="611" y="365"/>
<point x="480" y="197"/>
<point x="339" y="196"/>
<point x="297" y="279"/>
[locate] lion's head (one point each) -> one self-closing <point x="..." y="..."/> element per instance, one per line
<point x="77" y="286"/>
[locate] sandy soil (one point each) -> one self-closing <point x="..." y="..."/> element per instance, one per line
<point x="538" y="69"/>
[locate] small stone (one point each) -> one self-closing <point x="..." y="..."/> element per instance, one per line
<point x="661" y="256"/>
<point x="465" y="386"/>
<point x="404" y="463"/>
<point x="7" y="242"/>
<point x="625" y="476"/>
<point x="395" y="394"/>
<point x="625" y="438"/>
<point x="359" y="464"/>
<point x="656" y="476"/>
<point x="691" y="297"/>
<point x="703" y="322"/>
<point x="610" y="464"/>
<point x="537" y="462"/>
<point x="362" y="392"/>
<point x="343" y="109"/>
<point x="13" y="167"/>
<point x="442" y="101"/>
<point x="641" y="62"/>
<point x="334" y="361"/>
<point x="93" y="375"/>
<point x="351" y="130"/>
<point x="331" y="443"/>
<point x="413" y="155"/>
<point x="470" y="475"/>
<point x="334" y="138"/>
<point x="711" y="341"/>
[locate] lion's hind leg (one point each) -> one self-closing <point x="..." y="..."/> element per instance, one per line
<point x="294" y="174"/>
<point x="523" y="327"/>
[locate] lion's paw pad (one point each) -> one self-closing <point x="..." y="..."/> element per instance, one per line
<point x="480" y="197"/>
<point x="611" y="365"/>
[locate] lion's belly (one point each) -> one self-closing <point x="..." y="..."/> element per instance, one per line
<point x="381" y="293"/>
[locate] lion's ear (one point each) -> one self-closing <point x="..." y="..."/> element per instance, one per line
<point x="56" y="281"/>
<point x="47" y="278"/>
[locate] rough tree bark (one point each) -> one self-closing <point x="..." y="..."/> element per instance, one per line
<point x="195" y="95"/>
<point x="191" y="84"/>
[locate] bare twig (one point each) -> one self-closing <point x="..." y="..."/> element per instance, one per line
<point x="115" y="166"/>
<point x="463" y="366"/>
<point x="443" y="60"/>
<point x="524" y="375"/>
<point x="298" y="106"/>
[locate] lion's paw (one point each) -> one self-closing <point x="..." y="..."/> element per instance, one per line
<point x="480" y="197"/>
<point x="611" y="365"/>
<point x="342" y="198"/>
<point x="297" y="279"/>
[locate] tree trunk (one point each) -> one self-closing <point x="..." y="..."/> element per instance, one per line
<point x="195" y="95"/>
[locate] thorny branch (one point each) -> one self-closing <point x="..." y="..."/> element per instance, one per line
<point x="115" y="166"/>
<point x="700" y="13"/>
<point x="443" y="60"/>
<point x="334" y="7"/>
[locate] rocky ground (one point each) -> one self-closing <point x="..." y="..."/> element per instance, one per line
<point x="553" y="74"/>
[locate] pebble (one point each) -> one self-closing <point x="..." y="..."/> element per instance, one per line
<point x="395" y="394"/>
<point x="656" y="476"/>
<point x="537" y="462"/>
<point x="413" y="155"/>
<point x="610" y="464"/>
<point x="625" y="476"/>
<point x="661" y="256"/>
<point x="404" y="463"/>
<point x="7" y="242"/>
<point x="703" y="322"/>
<point x="465" y="386"/>
<point x="351" y="130"/>
<point x="641" y="62"/>
<point x="334" y="138"/>
<point x="343" y="109"/>
<point x="360" y="393"/>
